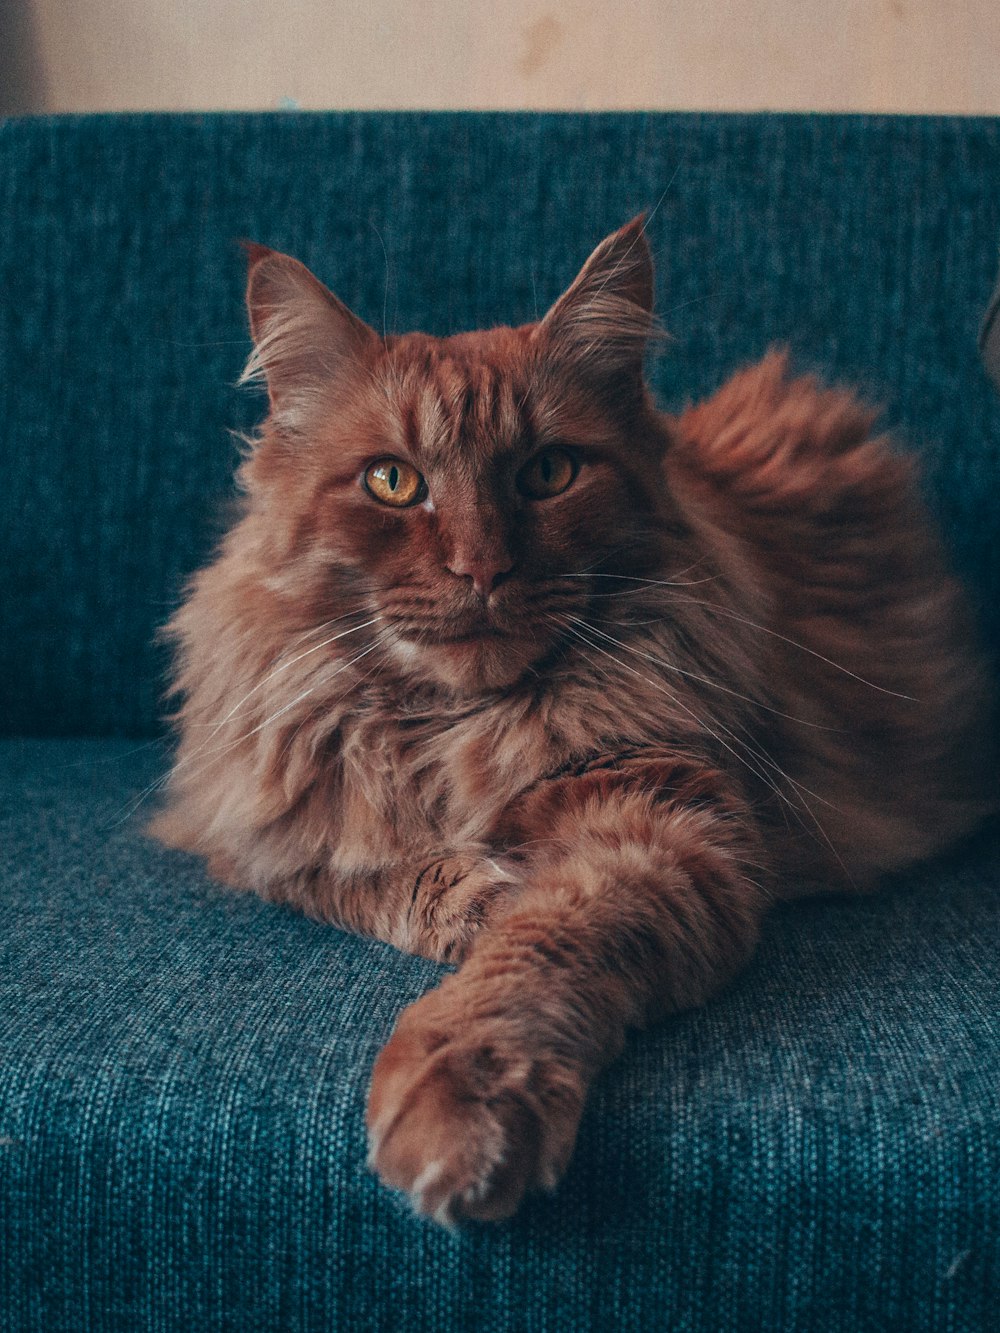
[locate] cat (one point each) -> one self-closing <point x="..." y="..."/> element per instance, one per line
<point x="506" y="667"/>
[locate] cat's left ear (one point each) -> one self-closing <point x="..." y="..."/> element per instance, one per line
<point x="604" y="320"/>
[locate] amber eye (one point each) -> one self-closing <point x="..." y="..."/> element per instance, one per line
<point x="393" y="482"/>
<point x="550" y="472"/>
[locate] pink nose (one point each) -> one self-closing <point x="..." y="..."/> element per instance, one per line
<point x="485" y="570"/>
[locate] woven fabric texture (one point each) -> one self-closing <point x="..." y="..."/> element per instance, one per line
<point x="182" y="1081"/>
<point x="867" y="244"/>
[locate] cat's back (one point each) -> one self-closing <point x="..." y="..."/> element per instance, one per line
<point x="868" y="643"/>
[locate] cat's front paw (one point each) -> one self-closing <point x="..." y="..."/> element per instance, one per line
<point x="465" y="1122"/>
<point x="454" y="897"/>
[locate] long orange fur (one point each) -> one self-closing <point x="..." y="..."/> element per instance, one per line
<point x="577" y="744"/>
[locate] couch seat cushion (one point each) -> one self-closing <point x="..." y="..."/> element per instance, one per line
<point x="183" y="1072"/>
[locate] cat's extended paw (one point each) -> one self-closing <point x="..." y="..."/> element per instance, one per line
<point x="454" y="897"/>
<point x="464" y="1123"/>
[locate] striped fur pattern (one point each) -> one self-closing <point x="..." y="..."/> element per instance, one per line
<point x="575" y="744"/>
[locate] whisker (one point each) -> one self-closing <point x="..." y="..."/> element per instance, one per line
<point x="228" y="745"/>
<point x="734" y="615"/>
<point x="764" y="629"/>
<point x="89" y="761"/>
<point x="703" y="725"/>
<point x="385" y="293"/>
<point x="642" y="230"/>
<point x="756" y="748"/>
<point x="704" y="680"/>
<point x="299" y="697"/>
<point x="673" y="696"/>
<point x="379" y="666"/>
<point x="267" y="680"/>
<point x="660" y="583"/>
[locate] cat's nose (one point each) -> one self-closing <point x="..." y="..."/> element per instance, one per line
<point x="485" y="568"/>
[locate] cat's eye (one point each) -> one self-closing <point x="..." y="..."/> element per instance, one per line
<point x="393" y="482"/>
<point x="549" y="473"/>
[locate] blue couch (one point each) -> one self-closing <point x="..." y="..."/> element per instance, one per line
<point x="182" y="1068"/>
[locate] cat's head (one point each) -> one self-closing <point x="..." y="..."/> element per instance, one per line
<point x="466" y="490"/>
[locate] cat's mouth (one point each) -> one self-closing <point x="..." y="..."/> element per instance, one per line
<point x="483" y="635"/>
<point x="470" y="656"/>
<point x="455" y="631"/>
<point x="480" y="637"/>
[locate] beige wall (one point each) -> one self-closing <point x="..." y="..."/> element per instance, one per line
<point x="882" y="55"/>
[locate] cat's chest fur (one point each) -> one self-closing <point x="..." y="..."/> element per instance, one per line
<point x="432" y="777"/>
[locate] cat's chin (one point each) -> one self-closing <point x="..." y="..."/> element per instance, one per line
<point x="470" y="664"/>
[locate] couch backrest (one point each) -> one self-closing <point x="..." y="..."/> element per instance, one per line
<point x="867" y="244"/>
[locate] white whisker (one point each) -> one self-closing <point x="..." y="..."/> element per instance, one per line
<point x="660" y="583"/>
<point x="704" y="680"/>
<point x="266" y="680"/>
<point x="211" y="755"/>
<point x="752" y="624"/>
<point x="741" y="759"/>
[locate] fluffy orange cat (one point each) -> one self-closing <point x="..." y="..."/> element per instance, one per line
<point x="505" y="667"/>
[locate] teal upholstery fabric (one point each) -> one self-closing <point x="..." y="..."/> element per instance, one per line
<point x="869" y="245"/>
<point x="182" y="1082"/>
<point x="183" y="1069"/>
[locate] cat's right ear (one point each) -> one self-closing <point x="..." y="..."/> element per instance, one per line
<point x="304" y="337"/>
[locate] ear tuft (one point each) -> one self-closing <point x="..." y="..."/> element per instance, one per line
<point x="255" y="252"/>
<point x="604" y="320"/>
<point x="304" y="337"/>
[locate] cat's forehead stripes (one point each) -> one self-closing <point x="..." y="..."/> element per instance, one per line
<point x="450" y="407"/>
